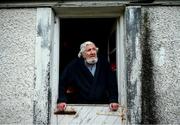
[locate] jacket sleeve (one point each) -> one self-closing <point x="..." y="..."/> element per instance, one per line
<point x="63" y="81"/>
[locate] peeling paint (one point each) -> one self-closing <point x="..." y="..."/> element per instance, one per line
<point x="42" y="96"/>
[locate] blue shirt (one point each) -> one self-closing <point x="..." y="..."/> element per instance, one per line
<point x="92" y="68"/>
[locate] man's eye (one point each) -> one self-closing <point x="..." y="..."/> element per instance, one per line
<point x="94" y="48"/>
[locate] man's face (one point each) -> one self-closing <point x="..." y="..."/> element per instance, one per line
<point x="90" y="54"/>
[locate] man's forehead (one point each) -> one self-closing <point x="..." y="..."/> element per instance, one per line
<point x="90" y="45"/>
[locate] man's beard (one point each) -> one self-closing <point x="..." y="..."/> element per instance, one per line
<point x="92" y="60"/>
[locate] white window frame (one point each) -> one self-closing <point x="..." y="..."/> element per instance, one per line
<point x="86" y="10"/>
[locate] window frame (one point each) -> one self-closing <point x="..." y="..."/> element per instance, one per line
<point x="104" y="11"/>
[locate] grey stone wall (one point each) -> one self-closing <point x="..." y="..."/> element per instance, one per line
<point x="17" y="50"/>
<point x="160" y="64"/>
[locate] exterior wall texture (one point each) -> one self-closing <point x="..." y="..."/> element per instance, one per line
<point x="134" y="63"/>
<point x="17" y="50"/>
<point x="160" y="64"/>
<point x="153" y="70"/>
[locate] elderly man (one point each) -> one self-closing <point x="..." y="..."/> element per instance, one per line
<point x="91" y="77"/>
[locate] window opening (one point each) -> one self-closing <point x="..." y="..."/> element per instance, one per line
<point x="75" y="31"/>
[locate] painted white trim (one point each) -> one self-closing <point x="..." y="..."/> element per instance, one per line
<point x="121" y="63"/>
<point x="44" y="26"/>
<point x="54" y="81"/>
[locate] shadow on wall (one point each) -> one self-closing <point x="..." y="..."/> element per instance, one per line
<point x="148" y="93"/>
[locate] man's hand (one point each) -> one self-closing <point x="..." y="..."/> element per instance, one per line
<point x="61" y="106"/>
<point x="113" y="106"/>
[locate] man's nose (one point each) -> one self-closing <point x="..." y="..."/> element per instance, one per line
<point x="93" y="52"/>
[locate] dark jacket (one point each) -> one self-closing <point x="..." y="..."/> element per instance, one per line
<point x="98" y="89"/>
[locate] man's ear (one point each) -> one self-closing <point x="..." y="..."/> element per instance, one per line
<point x="83" y="55"/>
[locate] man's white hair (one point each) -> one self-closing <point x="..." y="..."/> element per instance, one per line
<point x="83" y="47"/>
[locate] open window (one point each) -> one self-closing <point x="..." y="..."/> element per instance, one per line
<point x="73" y="32"/>
<point x="102" y="24"/>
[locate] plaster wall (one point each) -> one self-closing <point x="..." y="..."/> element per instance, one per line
<point x="161" y="64"/>
<point x="17" y="50"/>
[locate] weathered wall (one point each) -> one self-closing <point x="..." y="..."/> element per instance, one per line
<point x="153" y="58"/>
<point x="25" y="44"/>
<point x="134" y="63"/>
<point x="160" y="64"/>
<point x="17" y="50"/>
<point x="43" y="65"/>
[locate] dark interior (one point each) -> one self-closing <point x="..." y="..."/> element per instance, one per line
<point x="73" y="32"/>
